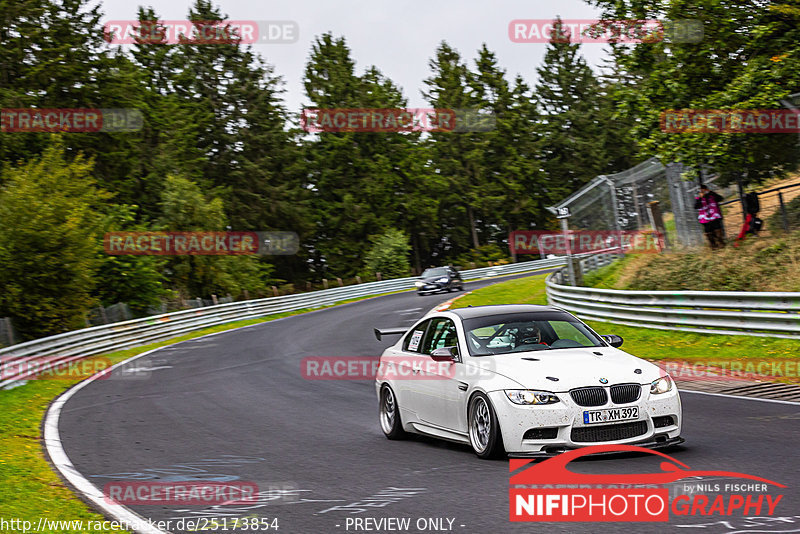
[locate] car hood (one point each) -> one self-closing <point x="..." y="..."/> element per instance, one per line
<point x="433" y="278"/>
<point x="572" y="367"/>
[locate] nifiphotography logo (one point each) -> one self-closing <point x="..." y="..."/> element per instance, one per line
<point x="549" y="491"/>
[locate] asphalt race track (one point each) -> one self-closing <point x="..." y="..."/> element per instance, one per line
<point x="234" y="406"/>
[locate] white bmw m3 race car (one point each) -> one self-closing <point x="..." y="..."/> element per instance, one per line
<point x="521" y="380"/>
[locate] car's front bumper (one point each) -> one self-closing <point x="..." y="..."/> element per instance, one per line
<point x="567" y="418"/>
<point x="431" y="288"/>
<point x="549" y="452"/>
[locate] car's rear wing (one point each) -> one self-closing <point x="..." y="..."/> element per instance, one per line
<point x="379" y="332"/>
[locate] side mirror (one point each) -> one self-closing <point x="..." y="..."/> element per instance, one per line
<point x="445" y="354"/>
<point x="614" y="341"/>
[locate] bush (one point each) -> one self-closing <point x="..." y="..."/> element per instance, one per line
<point x="50" y="228"/>
<point x="388" y="255"/>
<point x="758" y="264"/>
<point x="186" y="207"/>
<point x="483" y="255"/>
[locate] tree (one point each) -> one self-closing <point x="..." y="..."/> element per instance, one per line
<point x="388" y="255"/>
<point x="362" y="182"/>
<point x="50" y="227"/>
<point x="515" y="193"/>
<point x="457" y="158"/>
<point x="185" y="207"/>
<point x="137" y="281"/>
<point x="747" y="59"/>
<point x="572" y="134"/>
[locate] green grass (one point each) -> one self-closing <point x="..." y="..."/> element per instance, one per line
<point x="647" y="343"/>
<point x="607" y="277"/>
<point x="29" y="488"/>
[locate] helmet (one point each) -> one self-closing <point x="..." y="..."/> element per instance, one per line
<point x="528" y="335"/>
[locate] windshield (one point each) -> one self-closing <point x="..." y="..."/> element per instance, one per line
<point x="503" y="334"/>
<point x="436" y="271"/>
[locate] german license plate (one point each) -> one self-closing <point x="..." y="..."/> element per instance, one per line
<point x="610" y="416"/>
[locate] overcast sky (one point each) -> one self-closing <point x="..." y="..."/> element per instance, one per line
<point x="399" y="37"/>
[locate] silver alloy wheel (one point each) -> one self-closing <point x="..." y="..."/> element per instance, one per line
<point x="480" y="424"/>
<point x="388" y="410"/>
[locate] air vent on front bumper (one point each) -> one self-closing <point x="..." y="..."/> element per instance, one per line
<point x="591" y="396"/>
<point x="617" y="432"/>
<point x="625" y="393"/>
<point x="541" y="433"/>
<point x="662" y="421"/>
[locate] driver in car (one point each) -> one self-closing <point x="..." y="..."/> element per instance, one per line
<point x="529" y="335"/>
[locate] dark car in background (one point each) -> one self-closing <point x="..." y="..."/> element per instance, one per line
<point x="438" y="279"/>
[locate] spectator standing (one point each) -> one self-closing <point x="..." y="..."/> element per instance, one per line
<point x="710" y="216"/>
<point x="752" y="224"/>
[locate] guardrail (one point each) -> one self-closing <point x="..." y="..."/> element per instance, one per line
<point x="24" y="360"/>
<point x="769" y="314"/>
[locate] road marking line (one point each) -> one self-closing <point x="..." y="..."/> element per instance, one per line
<point x="777" y="401"/>
<point x="59" y="458"/>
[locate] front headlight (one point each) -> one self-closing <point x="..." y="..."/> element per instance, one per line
<point x="662" y="385"/>
<point x="528" y="397"/>
<point x="442" y="280"/>
<point x="419" y="283"/>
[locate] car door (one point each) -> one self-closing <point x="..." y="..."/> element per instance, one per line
<point x="403" y="367"/>
<point x="442" y="390"/>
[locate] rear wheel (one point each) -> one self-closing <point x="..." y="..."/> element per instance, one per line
<point x="390" y="414"/>
<point x="484" y="429"/>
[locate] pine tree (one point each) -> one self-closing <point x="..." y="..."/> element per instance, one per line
<point x="568" y="95"/>
<point x="516" y="195"/>
<point x="457" y="157"/>
<point x="363" y="182"/>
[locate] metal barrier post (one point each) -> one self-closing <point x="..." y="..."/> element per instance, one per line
<point x="784" y="217"/>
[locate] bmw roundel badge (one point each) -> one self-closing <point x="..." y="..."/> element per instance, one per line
<point x="604" y="380"/>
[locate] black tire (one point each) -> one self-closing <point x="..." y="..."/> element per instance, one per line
<point x="390" y="421"/>
<point x="484" y="436"/>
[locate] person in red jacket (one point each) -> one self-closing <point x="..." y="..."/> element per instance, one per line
<point x="710" y="216"/>
<point x="752" y="224"/>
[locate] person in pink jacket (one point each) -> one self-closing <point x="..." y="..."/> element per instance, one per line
<point x="710" y="216"/>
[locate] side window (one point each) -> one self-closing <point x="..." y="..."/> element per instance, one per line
<point x="413" y="339"/>
<point x="441" y="333"/>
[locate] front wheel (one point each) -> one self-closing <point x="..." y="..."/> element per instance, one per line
<point x="484" y="429"/>
<point x="390" y="415"/>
